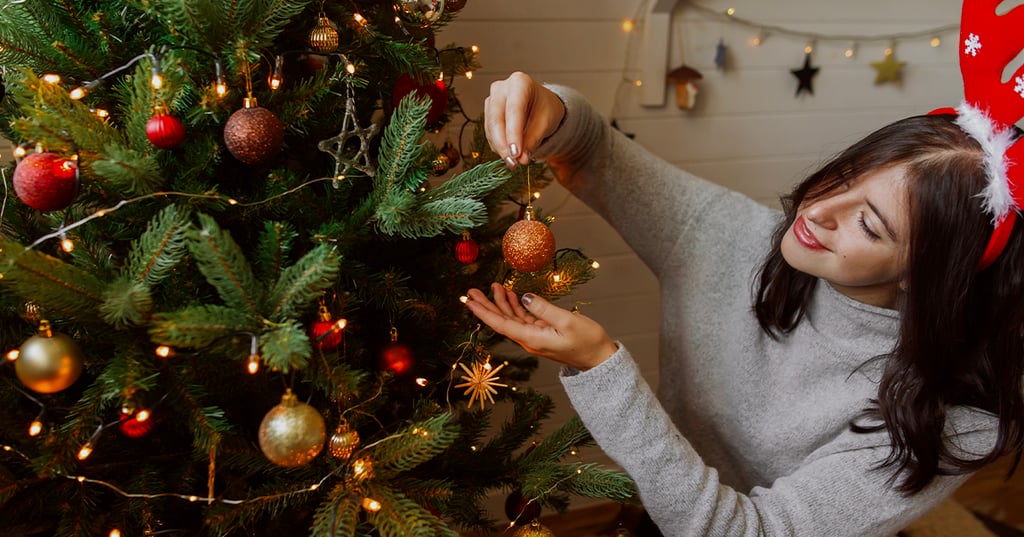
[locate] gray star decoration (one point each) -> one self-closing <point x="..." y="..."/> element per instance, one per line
<point x="335" y="145"/>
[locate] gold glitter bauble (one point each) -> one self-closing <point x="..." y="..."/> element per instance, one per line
<point x="323" y="37"/>
<point x="343" y="442"/>
<point x="49" y="361"/>
<point x="528" y="245"/>
<point x="292" y="433"/>
<point x="253" y="135"/>
<point x="533" y="529"/>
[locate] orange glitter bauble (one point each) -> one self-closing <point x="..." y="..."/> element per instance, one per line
<point x="528" y="245"/>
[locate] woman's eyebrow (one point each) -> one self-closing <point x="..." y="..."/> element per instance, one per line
<point x="885" y="221"/>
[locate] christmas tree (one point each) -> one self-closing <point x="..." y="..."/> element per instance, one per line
<point x="232" y="255"/>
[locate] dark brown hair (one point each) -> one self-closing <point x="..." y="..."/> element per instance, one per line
<point x="960" y="338"/>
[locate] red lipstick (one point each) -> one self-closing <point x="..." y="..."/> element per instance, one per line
<point x="804" y="236"/>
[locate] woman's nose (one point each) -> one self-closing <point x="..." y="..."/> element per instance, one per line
<point x="824" y="212"/>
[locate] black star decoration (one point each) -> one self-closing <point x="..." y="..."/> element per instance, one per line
<point x="805" y="75"/>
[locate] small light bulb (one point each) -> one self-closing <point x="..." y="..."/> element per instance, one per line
<point x="35" y="428"/>
<point x="422" y="382"/>
<point x="628" y="25"/>
<point x="350" y="68"/>
<point x="67" y="245"/>
<point x="115" y="533"/>
<point x="359" y="18"/>
<point x="193" y="498"/>
<point x="19" y="151"/>
<point x="850" y="51"/>
<point x="808" y="48"/>
<point x="51" y="78"/>
<point x="463" y="299"/>
<point x="595" y="265"/>
<point x="13" y="355"/>
<point x="556" y="277"/>
<point x="254" y="364"/>
<point x="371" y="505"/>
<point x="164" y="351"/>
<point x="142" y="415"/>
<point x="469" y="74"/>
<point x="221" y="88"/>
<point x="101" y="113"/>
<point x="474" y="49"/>
<point x="157" y="81"/>
<point x="936" y="41"/>
<point x="730" y="11"/>
<point x="638" y="83"/>
<point x="85" y="452"/>
<point x="76" y="94"/>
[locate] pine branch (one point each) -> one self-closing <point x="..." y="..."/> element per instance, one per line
<point x="126" y="303"/>
<point x="400" y="144"/>
<point x="399" y="516"/>
<point x="158" y="250"/>
<point x="221" y="260"/>
<point x="557" y="445"/>
<point x="198" y="326"/>
<point x="338" y="515"/>
<point x="286" y="347"/>
<point x="593" y="481"/>
<point x="302" y="282"/>
<point x="272" y="248"/>
<point x="416" y="444"/>
<point x="38" y="277"/>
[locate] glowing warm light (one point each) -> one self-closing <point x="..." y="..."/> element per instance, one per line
<point x="142" y="415"/>
<point x="473" y="448"/>
<point x="164" y="351"/>
<point x="463" y="299"/>
<point x="536" y="195"/>
<point x="221" y="88"/>
<point x="350" y="68"/>
<point x="360" y="19"/>
<point x="115" y="533"/>
<point x="232" y="201"/>
<point x="362" y="469"/>
<point x="628" y="25"/>
<point x="76" y="94"/>
<point x="888" y="51"/>
<point x="595" y="265"/>
<point x="193" y="498"/>
<point x="371" y="505"/>
<point x="808" y="48"/>
<point x="850" y="51"/>
<point x="573" y="452"/>
<point x="474" y="49"/>
<point x="254" y="364"/>
<point x="557" y="277"/>
<point x="730" y="11"/>
<point x="85" y="452"/>
<point x="67" y="245"/>
<point x="19" y="151"/>
<point x="13" y="355"/>
<point x="101" y="113"/>
<point x="340" y="325"/>
<point x="469" y="75"/>
<point x="157" y="81"/>
<point x="314" y="486"/>
<point x="35" y="428"/>
<point x="275" y="83"/>
<point x="638" y="83"/>
<point x="756" y="41"/>
<point x="422" y="382"/>
<point x="52" y="79"/>
<point x="936" y="41"/>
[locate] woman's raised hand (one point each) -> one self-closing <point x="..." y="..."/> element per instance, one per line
<point x="518" y="115"/>
<point x="542" y="328"/>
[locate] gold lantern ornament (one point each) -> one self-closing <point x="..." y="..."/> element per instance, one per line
<point x="49" y="361"/>
<point x="292" y="433"/>
<point x="323" y="37"/>
<point x="344" y="441"/>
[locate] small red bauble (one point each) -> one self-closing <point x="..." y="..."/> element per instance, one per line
<point x="397" y="358"/>
<point x="326" y="331"/>
<point x="46" y="181"/>
<point x="133" y="427"/>
<point x="437" y="92"/>
<point x="466" y="250"/>
<point x="253" y="135"/>
<point x="453" y="6"/>
<point x="165" y="131"/>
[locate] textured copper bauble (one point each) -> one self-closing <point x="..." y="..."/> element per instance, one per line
<point x="253" y="135"/>
<point x="323" y="37"/>
<point x="528" y="245"/>
<point x="343" y="442"/>
<point x="46" y="181"/>
<point x="49" y="361"/>
<point x="292" y="433"/>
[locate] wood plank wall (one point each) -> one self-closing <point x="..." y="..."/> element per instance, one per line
<point x="748" y="131"/>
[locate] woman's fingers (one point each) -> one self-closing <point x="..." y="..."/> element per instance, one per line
<point x="519" y="114"/>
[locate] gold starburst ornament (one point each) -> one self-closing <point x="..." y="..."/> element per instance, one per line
<point x="480" y="382"/>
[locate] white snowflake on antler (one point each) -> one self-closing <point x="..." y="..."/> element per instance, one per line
<point x="972" y="44"/>
<point x="1019" y="88"/>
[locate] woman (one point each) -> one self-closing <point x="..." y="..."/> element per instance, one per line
<point x="840" y="376"/>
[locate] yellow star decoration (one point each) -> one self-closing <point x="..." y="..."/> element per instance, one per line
<point x="888" y="70"/>
<point x="480" y="382"/>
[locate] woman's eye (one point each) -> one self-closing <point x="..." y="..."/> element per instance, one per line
<point x="867" y="230"/>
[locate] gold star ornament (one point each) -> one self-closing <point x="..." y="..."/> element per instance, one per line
<point x="480" y="382"/>
<point x="888" y="70"/>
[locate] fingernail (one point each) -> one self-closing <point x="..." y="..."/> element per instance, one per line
<point x="527" y="298"/>
<point x="510" y="162"/>
<point x="513" y="150"/>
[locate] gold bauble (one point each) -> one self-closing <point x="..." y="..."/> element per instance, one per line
<point x="292" y="433"/>
<point x="422" y="13"/>
<point x="343" y="442"/>
<point x="533" y="529"/>
<point x="323" y="37"/>
<point x="440" y="164"/>
<point x="49" y="361"/>
<point x="528" y="245"/>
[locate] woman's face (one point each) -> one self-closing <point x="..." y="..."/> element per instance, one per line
<point x="855" y="237"/>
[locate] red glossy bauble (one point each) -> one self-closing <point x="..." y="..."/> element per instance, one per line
<point x="520" y="510"/>
<point x="132" y="427"/>
<point x="326" y="331"/>
<point x="466" y="250"/>
<point x="46" y="181"/>
<point x="165" y="131"/>
<point x="436" y="90"/>
<point x="453" y="6"/>
<point x="397" y="358"/>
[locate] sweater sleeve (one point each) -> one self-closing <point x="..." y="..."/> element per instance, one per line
<point x="837" y="492"/>
<point x="649" y="201"/>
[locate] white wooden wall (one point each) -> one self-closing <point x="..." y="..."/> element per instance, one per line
<point x="748" y="130"/>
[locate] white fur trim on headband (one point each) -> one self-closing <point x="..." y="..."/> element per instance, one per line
<point x="994" y="140"/>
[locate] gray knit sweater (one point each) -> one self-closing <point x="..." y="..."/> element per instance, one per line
<point x="747" y="435"/>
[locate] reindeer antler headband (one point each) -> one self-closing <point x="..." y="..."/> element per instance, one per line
<point x="992" y="105"/>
